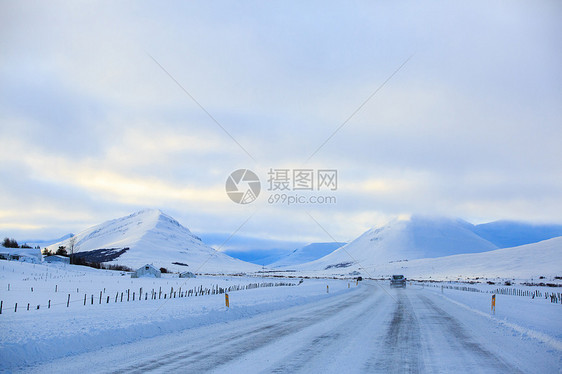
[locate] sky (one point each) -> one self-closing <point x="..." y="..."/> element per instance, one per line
<point x="436" y="108"/>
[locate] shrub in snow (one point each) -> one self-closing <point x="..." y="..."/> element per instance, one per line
<point x="10" y="243"/>
<point x="46" y="252"/>
<point x="61" y="251"/>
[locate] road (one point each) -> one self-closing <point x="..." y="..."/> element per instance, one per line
<point x="372" y="329"/>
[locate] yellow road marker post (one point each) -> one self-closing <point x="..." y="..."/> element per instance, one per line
<point x="327" y="289"/>
<point x="226" y="302"/>
<point x="494" y="304"/>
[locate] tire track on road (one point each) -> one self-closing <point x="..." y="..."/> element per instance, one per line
<point x="469" y="354"/>
<point x="401" y="350"/>
<point x="329" y="343"/>
<point x="234" y="344"/>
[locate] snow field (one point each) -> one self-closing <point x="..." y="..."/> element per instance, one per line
<point x="32" y="336"/>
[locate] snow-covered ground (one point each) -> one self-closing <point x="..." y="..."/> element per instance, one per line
<point x="301" y="328"/>
<point x="370" y="328"/>
<point x="33" y="336"/>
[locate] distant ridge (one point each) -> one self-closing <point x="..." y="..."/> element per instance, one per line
<point x="506" y="234"/>
<point x="307" y="253"/>
<point x="45" y="243"/>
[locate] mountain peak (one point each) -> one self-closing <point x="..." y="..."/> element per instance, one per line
<point x="148" y="212"/>
<point x="150" y="236"/>
<point x="408" y="238"/>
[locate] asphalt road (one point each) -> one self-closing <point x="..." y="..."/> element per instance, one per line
<point x="372" y="329"/>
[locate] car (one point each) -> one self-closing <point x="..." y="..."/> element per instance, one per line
<point x="398" y="280"/>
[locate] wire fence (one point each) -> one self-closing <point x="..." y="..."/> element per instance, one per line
<point x="555" y="297"/>
<point x="136" y="295"/>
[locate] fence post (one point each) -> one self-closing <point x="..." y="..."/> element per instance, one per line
<point x="68" y="301"/>
<point x="1" y="302"/>
<point x="16" y="308"/>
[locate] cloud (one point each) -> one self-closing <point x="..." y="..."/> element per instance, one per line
<point x="469" y="127"/>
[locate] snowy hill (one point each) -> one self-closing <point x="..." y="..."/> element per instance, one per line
<point x="150" y="236"/>
<point x="405" y="239"/>
<point x="307" y="253"/>
<point x="522" y="262"/>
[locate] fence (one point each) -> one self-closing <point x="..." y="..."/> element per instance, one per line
<point x="555" y="297"/>
<point x="132" y="295"/>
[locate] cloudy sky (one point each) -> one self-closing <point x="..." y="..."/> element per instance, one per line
<point x="442" y="108"/>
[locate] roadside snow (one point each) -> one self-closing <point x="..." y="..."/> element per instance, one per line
<point x="28" y="337"/>
<point x="535" y="318"/>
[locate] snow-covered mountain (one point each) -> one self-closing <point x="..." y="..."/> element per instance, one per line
<point x="405" y="239"/>
<point x="523" y="262"/>
<point x="150" y="236"/>
<point x="307" y="253"/>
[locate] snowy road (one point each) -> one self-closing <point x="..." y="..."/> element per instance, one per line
<point x="368" y="330"/>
